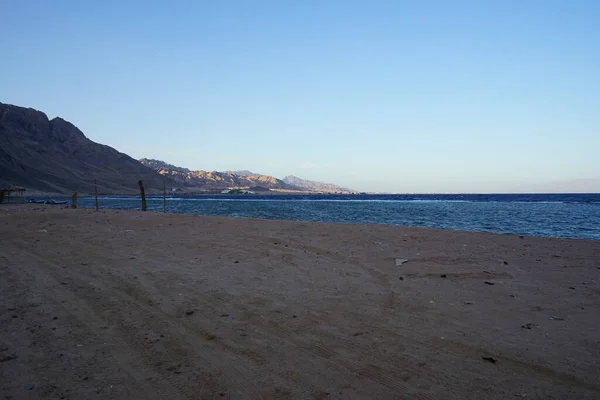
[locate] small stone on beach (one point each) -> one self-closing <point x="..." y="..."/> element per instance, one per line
<point x="8" y="358"/>
<point x="490" y="359"/>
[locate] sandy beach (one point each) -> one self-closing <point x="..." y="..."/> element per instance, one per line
<point x="132" y="305"/>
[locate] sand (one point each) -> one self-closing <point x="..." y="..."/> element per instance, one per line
<point x="124" y="305"/>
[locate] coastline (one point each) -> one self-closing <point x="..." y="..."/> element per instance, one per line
<point x="197" y="306"/>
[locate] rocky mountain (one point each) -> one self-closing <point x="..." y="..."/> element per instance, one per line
<point x="215" y="180"/>
<point x="158" y="165"/>
<point x="313" y="186"/>
<point x="55" y="156"/>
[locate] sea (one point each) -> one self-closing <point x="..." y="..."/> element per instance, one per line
<point x="548" y="215"/>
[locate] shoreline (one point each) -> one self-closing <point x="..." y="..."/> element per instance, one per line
<point x="125" y="303"/>
<point x="516" y="231"/>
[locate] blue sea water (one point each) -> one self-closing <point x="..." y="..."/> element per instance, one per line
<point x="549" y="215"/>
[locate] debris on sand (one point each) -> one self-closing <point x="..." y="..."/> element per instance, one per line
<point x="8" y="357"/>
<point x="489" y="283"/>
<point x="557" y="318"/>
<point x="400" y="261"/>
<point x="490" y="359"/>
<point x="190" y="312"/>
<point x="527" y="326"/>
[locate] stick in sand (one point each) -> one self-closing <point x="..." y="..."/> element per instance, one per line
<point x="143" y="193"/>
<point x="96" y="193"/>
<point x="164" y="196"/>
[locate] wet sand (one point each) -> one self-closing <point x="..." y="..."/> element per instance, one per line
<point x="124" y="304"/>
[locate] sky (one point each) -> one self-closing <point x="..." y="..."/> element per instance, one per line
<point x="379" y="96"/>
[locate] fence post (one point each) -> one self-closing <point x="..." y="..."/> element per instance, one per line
<point x="96" y="193"/>
<point x="164" y="196"/>
<point x="143" y="193"/>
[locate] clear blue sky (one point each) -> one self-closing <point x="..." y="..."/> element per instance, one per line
<point x="401" y="96"/>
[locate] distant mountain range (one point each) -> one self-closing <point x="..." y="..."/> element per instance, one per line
<point x="55" y="156"/>
<point x="243" y="179"/>
<point x="314" y="186"/>
<point x="215" y="180"/>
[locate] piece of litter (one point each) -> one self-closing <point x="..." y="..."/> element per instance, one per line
<point x="43" y="230"/>
<point x="557" y="318"/>
<point x="489" y="283"/>
<point x="443" y="276"/>
<point x="400" y="261"/>
<point x="527" y="326"/>
<point x="467" y="302"/>
<point x="490" y="359"/>
<point x="8" y="358"/>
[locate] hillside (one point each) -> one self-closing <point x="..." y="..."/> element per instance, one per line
<point x="215" y="180"/>
<point x="314" y="186"/>
<point x="55" y="156"/>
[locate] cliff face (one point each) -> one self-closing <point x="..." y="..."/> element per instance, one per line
<point x="55" y="156"/>
<point x="215" y="180"/>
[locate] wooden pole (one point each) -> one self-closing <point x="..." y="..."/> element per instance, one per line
<point x="96" y="193"/>
<point x="74" y="200"/>
<point x="143" y="193"/>
<point x="164" y="196"/>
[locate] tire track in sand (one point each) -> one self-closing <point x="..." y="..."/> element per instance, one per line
<point x="224" y="363"/>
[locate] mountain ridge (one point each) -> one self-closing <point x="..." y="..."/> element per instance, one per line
<point x="314" y="185"/>
<point x="215" y="180"/>
<point x="238" y="179"/>
<point x="53" y="155"/>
